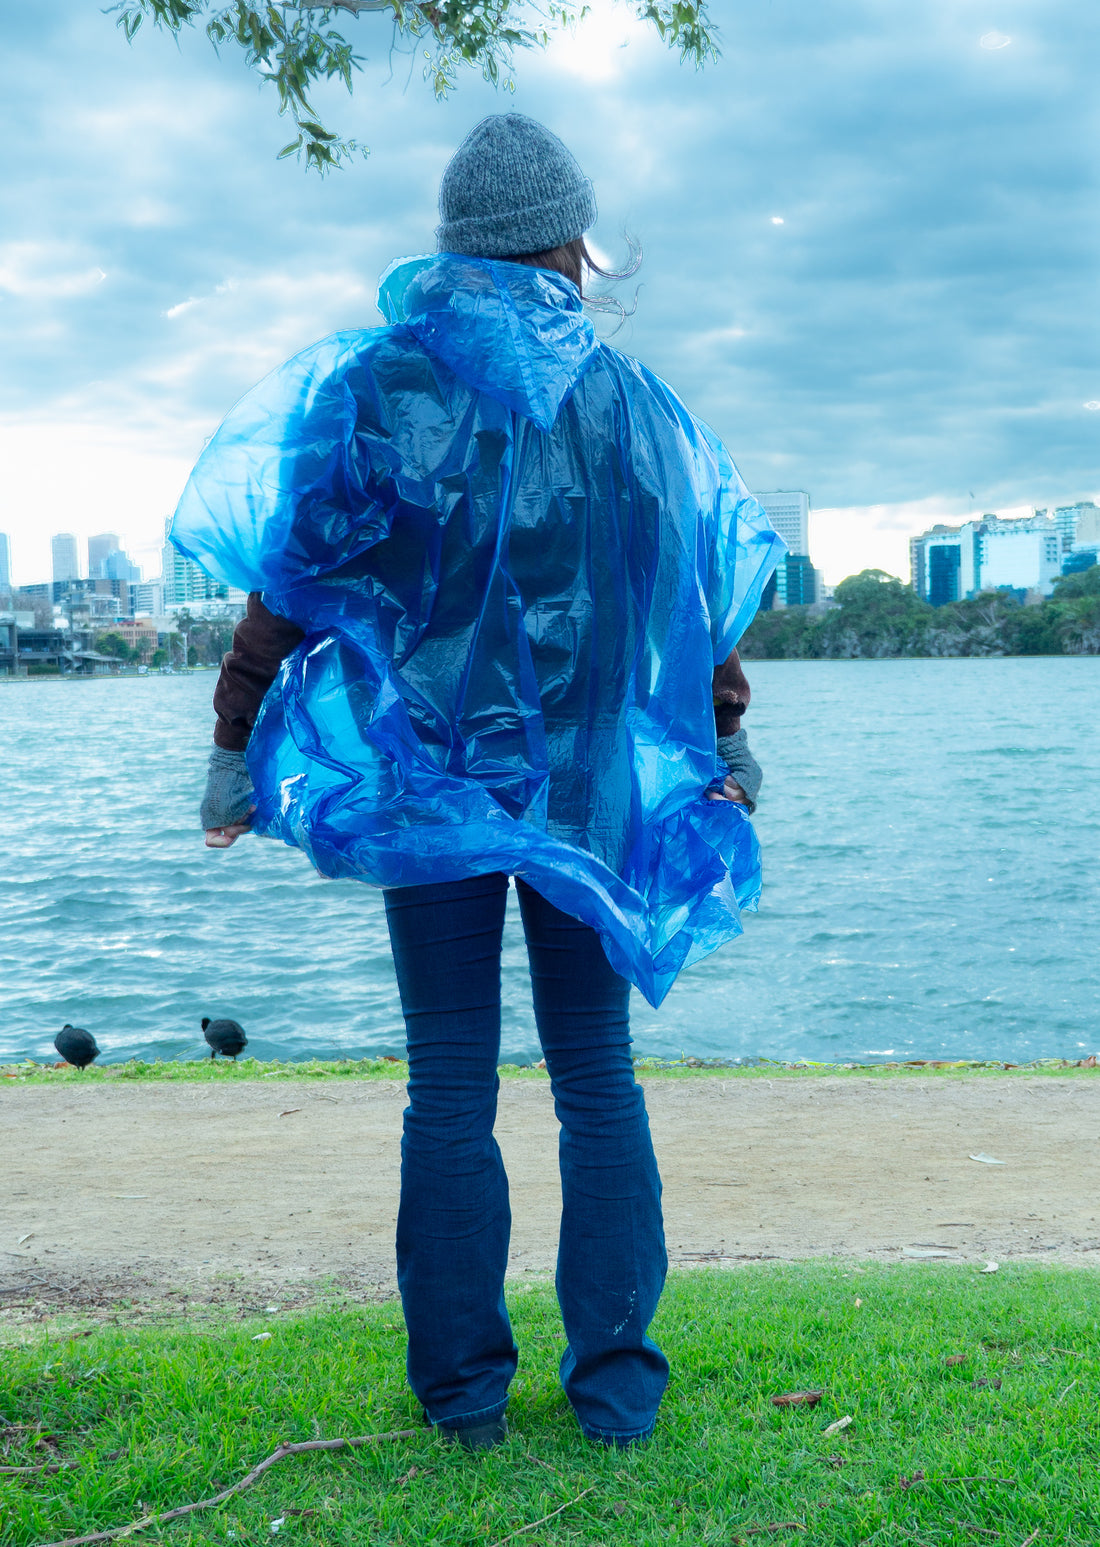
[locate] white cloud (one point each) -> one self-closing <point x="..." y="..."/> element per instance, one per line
<point x="43" y="271"/>
<point x="183" y="306"/>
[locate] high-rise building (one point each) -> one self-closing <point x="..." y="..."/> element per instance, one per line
<point x="185" y="582"/>
<point x="66" y="559"/>
<point x="789" y="514"/>
<point x="100" y="548"/>
<point x="5" y="564"/>
<point x="795" y="582"/>
<point x="800" y="588"/>
<point x="1021" y="555"/>
<point x="1078" y="525"/>
<point x="148" y="597"/>
<point x="119" y="566"/>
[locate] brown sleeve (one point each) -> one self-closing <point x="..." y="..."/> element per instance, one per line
<point x="731" y="693"/>
<point x="261" y="642"/>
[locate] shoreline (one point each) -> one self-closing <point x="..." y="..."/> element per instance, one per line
<point x="395" y="1069"/>
<point x="127" y="1189"/>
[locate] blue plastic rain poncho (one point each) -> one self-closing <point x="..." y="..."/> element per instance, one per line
<point x="516" y="557"/>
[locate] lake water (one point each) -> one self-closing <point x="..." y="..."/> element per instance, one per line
<point x="931" y="832"/>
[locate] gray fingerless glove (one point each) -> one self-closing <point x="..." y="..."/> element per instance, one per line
<point x="229" y="793"/>
<point x="734" y="752"/>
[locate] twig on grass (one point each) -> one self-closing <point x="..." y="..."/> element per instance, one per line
<point x="278" y="1454"/>
<point x="1009" y="1481"/>
<point x="968" y="1525"/>
<point x="783" y="1525"/>
<point x="545" y="1518"/>
<point x="1034" y="1537"/>
<point x="43" y="1466"/>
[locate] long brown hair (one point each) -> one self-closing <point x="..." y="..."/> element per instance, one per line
<point x="575" y="261"/>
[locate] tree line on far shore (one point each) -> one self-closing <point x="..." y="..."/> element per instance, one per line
<point x="876" y="616"/>
<point x="207" y="641"/>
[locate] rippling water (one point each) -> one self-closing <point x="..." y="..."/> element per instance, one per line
<point x="930" y="830"/>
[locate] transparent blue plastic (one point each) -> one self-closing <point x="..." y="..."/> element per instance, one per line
<point x="517" y="558"/>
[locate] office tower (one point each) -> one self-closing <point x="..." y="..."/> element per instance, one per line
<point x="794" y="583"/>
<point x="800" y="576"/>
<point x="66" y="560"/>
<point x="5" y="564"/>
<point x="1019" y="555"/>
<point x="119" y="566"/>
<point x="789" y="514"/>
<point x="99" y="548"/>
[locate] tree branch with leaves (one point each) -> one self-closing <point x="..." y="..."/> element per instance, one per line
<point x="296" y="44"/>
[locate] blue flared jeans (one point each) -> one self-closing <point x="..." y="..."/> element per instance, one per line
<point x="454" y="1219"/>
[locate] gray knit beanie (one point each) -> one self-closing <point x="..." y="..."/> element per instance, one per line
<point x="511" y="187"/>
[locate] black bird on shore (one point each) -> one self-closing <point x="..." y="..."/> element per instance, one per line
<point x="225" y="1037"/>
<point x="76" y="1046"/>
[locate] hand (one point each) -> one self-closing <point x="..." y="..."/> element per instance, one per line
<point x="227" y="804"/>
<point x="226" y="837"/>
<point x="730" y="790"/>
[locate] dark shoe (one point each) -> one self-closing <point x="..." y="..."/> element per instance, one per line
<point x="477" y="1436"/>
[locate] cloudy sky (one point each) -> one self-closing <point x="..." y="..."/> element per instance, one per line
<point x="871" y="238"/>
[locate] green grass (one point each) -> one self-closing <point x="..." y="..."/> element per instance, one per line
<point x="686" y="1068"/>
<point x="159" y="1416"/>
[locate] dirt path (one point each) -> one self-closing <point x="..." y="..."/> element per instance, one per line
<point x="144" y="1189"/>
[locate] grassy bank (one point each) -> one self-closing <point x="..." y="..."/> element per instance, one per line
<point x="31" y="1072"/>
<point x="971" y="1399"/>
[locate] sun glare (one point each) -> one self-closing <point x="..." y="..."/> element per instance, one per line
<point x="598" y="47"/>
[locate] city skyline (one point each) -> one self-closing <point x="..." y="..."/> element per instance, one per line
<point x="799" y="536"/>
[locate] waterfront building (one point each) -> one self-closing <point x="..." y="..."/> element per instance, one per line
<point x="1078" y="525"/>
<point x="8" y="637"/>
<point x="801" y="580"/>
<point x="94" y="598"/>
<point x="988" y="553"/>
<point x="789" y="513"/>
<point x="148" y="597"/>
<point x="1019" y="555"/>
<point x="66" y="558"/>
<point x="140" y="634"/>
<point x="943" y="563"/>
<point x="184" y="583"/>
<point x="43" y="649"/>
<point x="795" y="582"/>
<point x="1084" y="558"/>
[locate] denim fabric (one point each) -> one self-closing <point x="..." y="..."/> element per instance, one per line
<point x="454" y="1219"/>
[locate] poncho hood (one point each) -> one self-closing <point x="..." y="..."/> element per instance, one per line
<point x="518" y="334"/>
